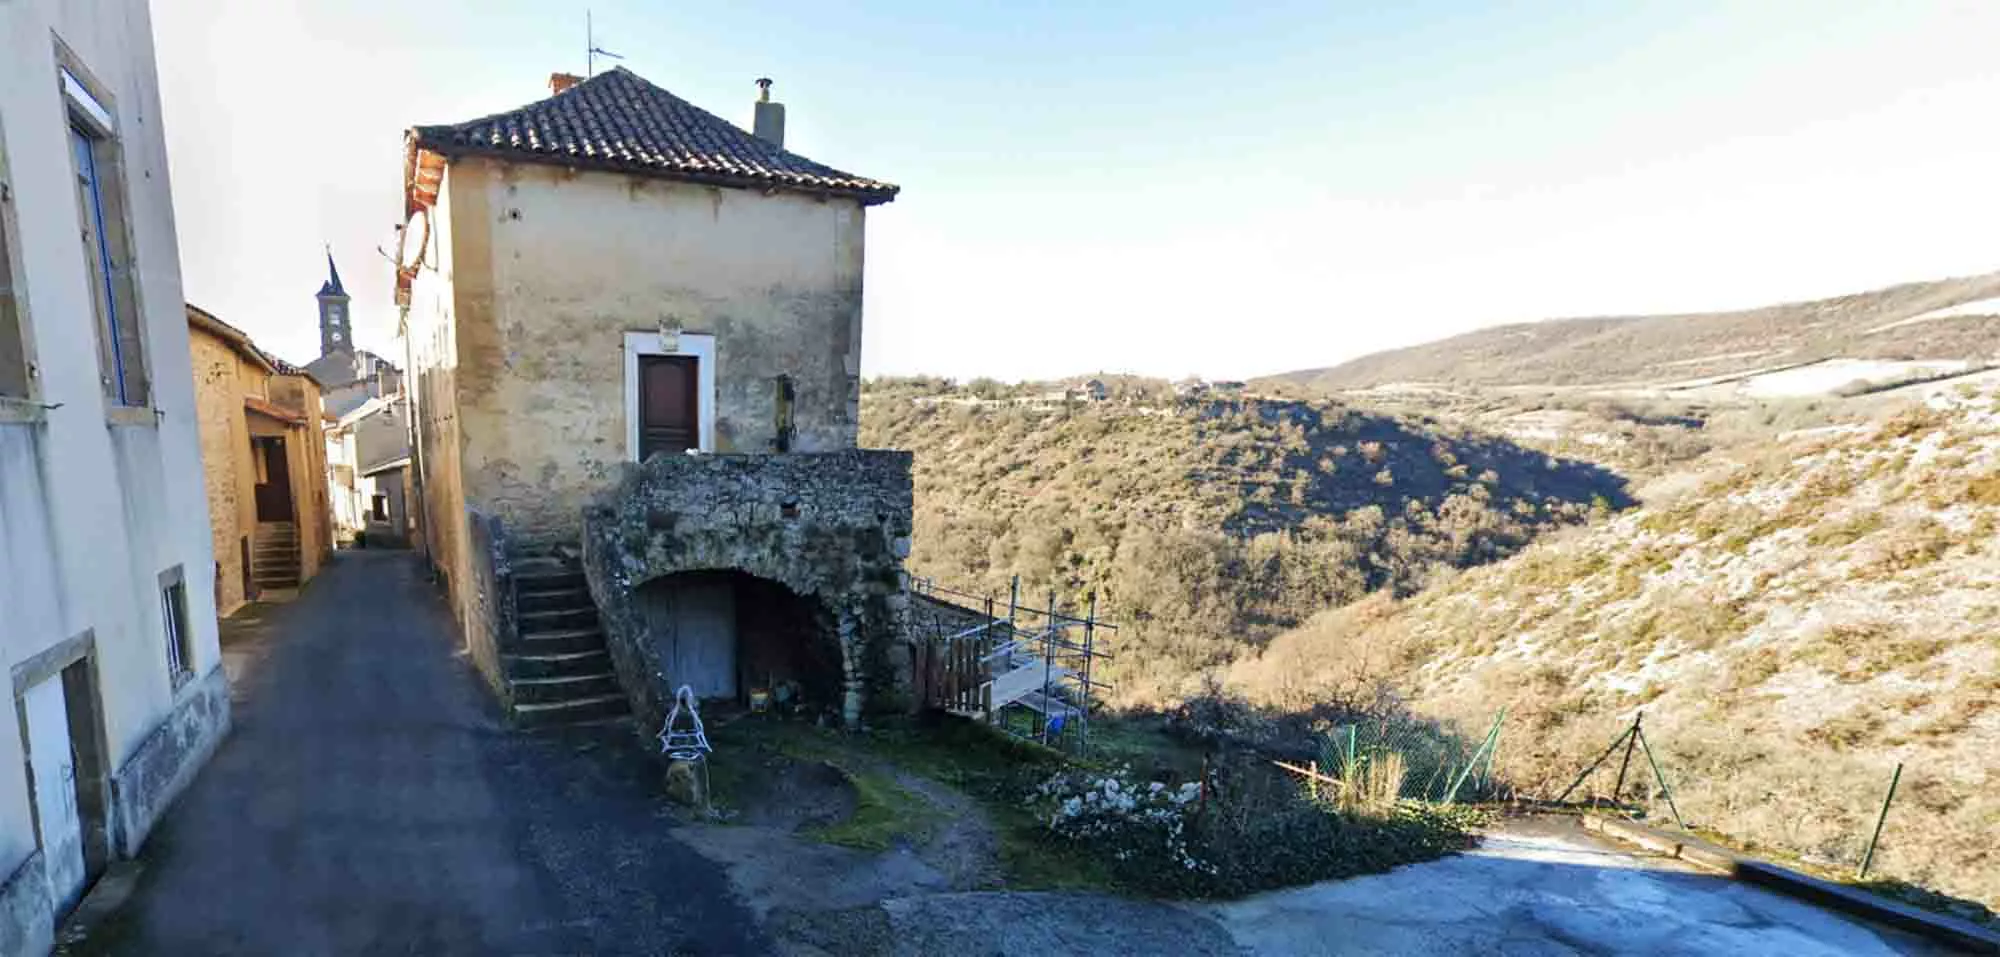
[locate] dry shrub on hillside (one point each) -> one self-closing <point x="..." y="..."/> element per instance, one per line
<point x="1792" y="628"/>
<point x="1205" y="527"/>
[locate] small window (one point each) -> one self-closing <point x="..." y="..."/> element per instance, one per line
<point x="174" y="611"/>
<point x="380" y="507"/>
<point x="107" y="249"/>
<point x="786" y="398"/>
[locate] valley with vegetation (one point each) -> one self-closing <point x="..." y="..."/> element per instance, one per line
<point x="1795" y="577"/>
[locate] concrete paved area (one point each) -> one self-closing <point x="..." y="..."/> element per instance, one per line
<point x="371" y="802"/>
<point x="1548" y="888"/>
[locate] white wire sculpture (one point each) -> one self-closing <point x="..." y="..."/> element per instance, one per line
<point x="687" y="743"/>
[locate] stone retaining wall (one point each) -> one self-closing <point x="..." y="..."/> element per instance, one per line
<point x="833" y="527"/>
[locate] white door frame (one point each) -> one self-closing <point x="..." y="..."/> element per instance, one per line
<point x="701" y="346"/>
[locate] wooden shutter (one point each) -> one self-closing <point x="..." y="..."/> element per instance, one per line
<point x="669" y="409"/>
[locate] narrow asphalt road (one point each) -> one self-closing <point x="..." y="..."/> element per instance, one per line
<point x="371" y="801"/>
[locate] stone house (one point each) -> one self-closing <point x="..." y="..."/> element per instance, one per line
<point x="263" y="462"/>
<point x="109" y="637"/>
<point x="612" y="276"/>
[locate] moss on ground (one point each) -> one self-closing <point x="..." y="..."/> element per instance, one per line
<point x="886" y="814"/>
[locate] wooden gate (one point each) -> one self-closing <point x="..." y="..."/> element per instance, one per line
<point x="952" y="673"/>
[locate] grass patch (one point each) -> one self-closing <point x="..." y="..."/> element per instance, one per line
<point x="993" y="770"/>
<point x="1257" y="828"/>
<point x="885" y="814"/>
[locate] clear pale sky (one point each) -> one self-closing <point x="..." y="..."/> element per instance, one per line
<point x="1164" y="187"/>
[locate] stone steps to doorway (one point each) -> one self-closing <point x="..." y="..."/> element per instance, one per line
<point x="577" y="711"/>
<point x="274" y="562"/>
<point x="559" y="672"/>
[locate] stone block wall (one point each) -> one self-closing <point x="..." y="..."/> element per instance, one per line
<point x="489" y="620"/>
<point x="833" y="527"/>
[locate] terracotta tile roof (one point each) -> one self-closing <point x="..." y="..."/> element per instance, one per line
<point x="240" y="341"/>
<point x="619" y="121"/>
<point x="286" y="368"/>
<point x="272" y="409"/>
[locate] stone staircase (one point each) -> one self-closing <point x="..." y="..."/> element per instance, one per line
<point x="558" y="671"/>
<point x="274" y="560"/>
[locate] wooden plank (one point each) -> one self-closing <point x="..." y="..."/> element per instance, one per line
<point x="1310" y="774"/>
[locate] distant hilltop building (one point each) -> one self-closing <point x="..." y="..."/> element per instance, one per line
<point x="352" y="376"/>
<point x="1195" y="387"/>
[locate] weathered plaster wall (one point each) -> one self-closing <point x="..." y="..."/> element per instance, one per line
<point x="220" y="378"/>
<point x="432" y="340"/>
<point x="305" y="464"/>
<point x="316" y="528"/>
<point x="833" y="527"/>
<point x="552" y="267"/>
<point x="24" y="917"/>
<point x="383" y="435"/>
<point x="163" y="765"/>
<point x="95" y="501"/>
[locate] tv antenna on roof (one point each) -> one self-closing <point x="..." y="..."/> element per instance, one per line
<point x="591" y="50"/>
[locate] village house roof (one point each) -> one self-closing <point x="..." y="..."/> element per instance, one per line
<point x="286" y="368"/>
<point x="236" y="339"/>
<point x="244" y="346"/>
<point x="618" y="121"/>
<point x="272" y="409"/>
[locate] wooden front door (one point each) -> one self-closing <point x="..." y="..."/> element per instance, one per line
<point x="274" y="479"/>
<point x="703" y="655"/>
<point x="669" y="407"/>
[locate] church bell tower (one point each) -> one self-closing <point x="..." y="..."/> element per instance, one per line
<point x="335" y="335"/>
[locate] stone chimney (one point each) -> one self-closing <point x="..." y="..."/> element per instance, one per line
<point x="770" y="122"/>
<point x="559" y="82"/>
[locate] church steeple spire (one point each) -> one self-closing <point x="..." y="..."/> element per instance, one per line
<point x="335" y="334"/>
<point x="332" y="284"/>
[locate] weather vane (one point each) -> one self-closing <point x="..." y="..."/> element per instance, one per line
<point x="591" y="50"/>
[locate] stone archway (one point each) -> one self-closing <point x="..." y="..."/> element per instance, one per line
<point x="830" y="527"/>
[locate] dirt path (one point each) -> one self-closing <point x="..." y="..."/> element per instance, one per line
<point x="816" y="897"/>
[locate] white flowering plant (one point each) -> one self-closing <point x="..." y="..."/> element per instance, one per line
<point x="1139" y="824"/>
<point x="1255" y="830"/>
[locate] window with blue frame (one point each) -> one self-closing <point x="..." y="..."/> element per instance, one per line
<point x="100" y="197"/>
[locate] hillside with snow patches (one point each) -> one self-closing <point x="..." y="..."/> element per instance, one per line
<point x="1793" y="618"/>
<point x="1954" y="319"/>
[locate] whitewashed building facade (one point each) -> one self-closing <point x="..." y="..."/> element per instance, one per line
<point x="107" y="611"/>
